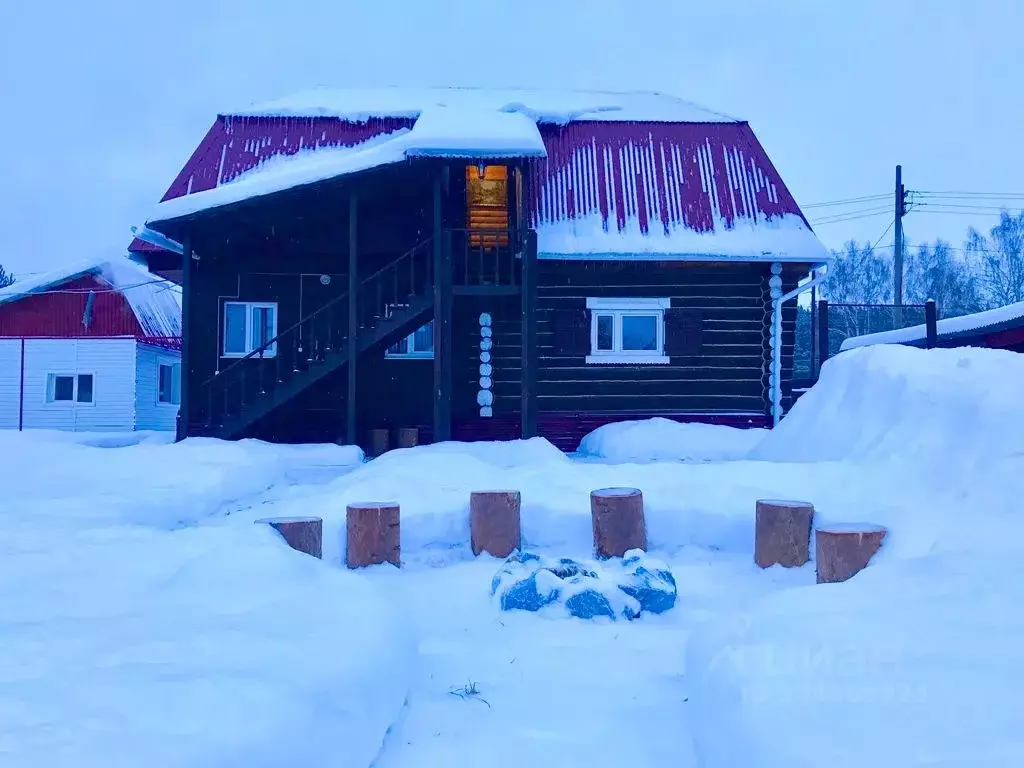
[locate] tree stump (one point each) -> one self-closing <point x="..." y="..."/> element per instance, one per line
<point x="304" y="534"/>
<point x="842" y="551"/>
<point x="782" y="533"/>
<point x="617" y="515"/>
<point x="494" y="522"/>
<point x="380" y="442"/>
<point x="372" y="534"/>
<point x="407" y="437"/>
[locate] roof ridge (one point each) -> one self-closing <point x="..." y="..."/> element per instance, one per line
<point x="396" y="100"/>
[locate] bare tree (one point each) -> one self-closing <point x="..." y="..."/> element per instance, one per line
<point x="6" y="278"/>
<point x="1001" y="256"/>
<point x="937" y="272"/>
<point x="859" y="276"/>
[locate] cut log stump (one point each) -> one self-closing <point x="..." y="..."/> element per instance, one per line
<point x="380" y="441"/>
<point x="782" y="533"/>
<point x="494" y="522"/>
<point x="304" y="534"/>
<point x="842" y="551"/>
<point x="618" y="519"/>
<point x="407" y="437"/>
<point x="372" y="534"/>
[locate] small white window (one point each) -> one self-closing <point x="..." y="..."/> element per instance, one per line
<point x="69" y="388"/>
<point x="417" y="345"/>
<point x="248" y="326"/>
<point x="627" y="330"/>
<point x="169" y="383"/>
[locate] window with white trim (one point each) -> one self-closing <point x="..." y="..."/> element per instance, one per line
<point x="169" y="383"/>
<point x="417" y="345"/>
<point x="627" y="330"/>
<point x="248" y="325"/>
<point x="69" y="388"/>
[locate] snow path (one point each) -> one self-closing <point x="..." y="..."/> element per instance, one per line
<point x="554" y="691"/>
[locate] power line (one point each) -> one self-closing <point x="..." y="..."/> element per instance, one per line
<point x="969" y="213"/>
<point x="851" y="216"/>
<point x="965" y="206"/>
<point x="165" y="286"/>
<point x="981" y="195"/>
<point x="847" y="201"/>
<point x="883" y="235"/>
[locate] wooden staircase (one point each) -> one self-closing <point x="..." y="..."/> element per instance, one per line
<point x="391" y="303"/>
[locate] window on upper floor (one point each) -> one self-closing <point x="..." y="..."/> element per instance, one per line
<point x="248" y="326"/>
<point x="487" y="205"/>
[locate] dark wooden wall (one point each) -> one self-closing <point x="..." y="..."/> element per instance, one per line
<point x="726" y="374"/>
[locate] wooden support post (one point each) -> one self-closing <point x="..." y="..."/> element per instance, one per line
<point x="822" y="332"/>
<point x="185" y="383"/>
<point x="931" y="324"/>
<point x="353" y="320"/>
<point x="528" y="352"/>
<point x="442" y="316"/>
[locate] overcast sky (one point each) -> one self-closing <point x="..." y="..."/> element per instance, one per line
<point x="104" y="101"/>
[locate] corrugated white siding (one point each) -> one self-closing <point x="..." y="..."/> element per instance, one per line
<point x="150" y="413"/>
<point x="10" y="381"/>
<point x="112" y="364"/>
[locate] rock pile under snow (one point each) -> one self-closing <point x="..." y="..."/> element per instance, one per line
<point x="627" y="588"/>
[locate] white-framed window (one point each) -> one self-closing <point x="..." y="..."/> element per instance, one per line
<point x="69" y="388"/>
<point x="418" y="345"/>
<point x="169" y="383"/>
<point x="248" y="325"/>
<point x="627" y="330"/>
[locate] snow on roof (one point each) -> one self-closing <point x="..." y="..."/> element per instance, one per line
<point x="288" y="172"/>
<point x="953" y="326"/>
<point x="442" y="131"/>
<point x="155" y="302"/>
<point x="438" y="132"/>
<point x="544" y="106"/>
<point x="781" y="238"/>
<point x="656" y="187"/>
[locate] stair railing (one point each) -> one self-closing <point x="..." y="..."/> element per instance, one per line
<point x="485" y="256"/>
<point x="309" y="341"/>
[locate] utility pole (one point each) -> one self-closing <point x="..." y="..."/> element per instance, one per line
<point x="897" y="261"/>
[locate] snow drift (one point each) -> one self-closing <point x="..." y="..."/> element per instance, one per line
<point x="918" y="407"/>
<point x="660" y="439"/>
<point x="914" y="660"/>
<point x="129" y="643"/>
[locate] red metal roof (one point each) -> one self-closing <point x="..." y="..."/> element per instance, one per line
<point x="670" y="179"/>
<point x="61" y="313"/>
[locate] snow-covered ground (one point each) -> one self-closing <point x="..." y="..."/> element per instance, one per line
<point x="146" y="620"/>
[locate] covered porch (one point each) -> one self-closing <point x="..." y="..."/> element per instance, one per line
<point x="293" y="297"/>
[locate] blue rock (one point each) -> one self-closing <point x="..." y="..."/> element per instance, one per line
<point x="525" y="595"/>
<point x="588" y="604"/>
<point x="568" y="569"/>
<point x="653" y="587"/>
